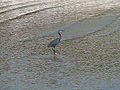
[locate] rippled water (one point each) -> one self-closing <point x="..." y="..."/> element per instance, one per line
<point x="88" y="58"/>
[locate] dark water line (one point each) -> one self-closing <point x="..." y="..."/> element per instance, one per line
<point x="2" y="21"/>
<point x="34" y="12"/>
<point x="29" y="2"/>
<point x="20" y="16"/>
<point x="33" y="4"/>
<point x="23" y="6"/>
<point x="8" y="10"/>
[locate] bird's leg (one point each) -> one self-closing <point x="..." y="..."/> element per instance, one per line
<point x="54" y="50"/>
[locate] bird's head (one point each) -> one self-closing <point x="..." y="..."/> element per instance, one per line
<point x="60" y="31"/>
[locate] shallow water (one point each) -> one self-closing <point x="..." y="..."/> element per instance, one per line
<point x="88" y="58"/>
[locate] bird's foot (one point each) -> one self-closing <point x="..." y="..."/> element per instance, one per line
<point x="57" y="52"/>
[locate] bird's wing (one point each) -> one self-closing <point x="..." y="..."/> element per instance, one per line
<point x="54" y="42"/>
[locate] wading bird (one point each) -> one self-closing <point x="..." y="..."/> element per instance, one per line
<point x="54" y="42"/>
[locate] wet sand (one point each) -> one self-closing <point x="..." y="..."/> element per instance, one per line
<point x="87" y="62"/>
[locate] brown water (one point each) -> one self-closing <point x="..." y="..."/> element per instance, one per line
<point x="88" y="58"/>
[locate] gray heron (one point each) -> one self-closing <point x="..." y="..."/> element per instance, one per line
<point x="54" y="42"/>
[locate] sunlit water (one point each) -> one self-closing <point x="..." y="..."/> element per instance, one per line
<point x="27" y="26"/>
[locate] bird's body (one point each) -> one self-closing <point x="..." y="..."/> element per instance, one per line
<point x="54" y="42"/>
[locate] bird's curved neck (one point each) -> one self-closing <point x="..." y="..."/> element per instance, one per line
<point x="60" y="36"/>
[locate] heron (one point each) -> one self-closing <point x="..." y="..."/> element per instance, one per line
<point x="54" y="42"/>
